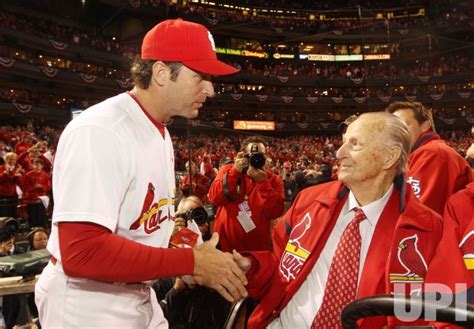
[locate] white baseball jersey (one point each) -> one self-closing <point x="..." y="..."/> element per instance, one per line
<point x="113" y="167"/>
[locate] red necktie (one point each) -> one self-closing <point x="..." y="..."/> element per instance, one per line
<point x="341" y="287"/>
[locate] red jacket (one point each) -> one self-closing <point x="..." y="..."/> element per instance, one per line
<point x="200" y="186"/>
<point x="27" y="163"/>
<point x="436" y="171"/>
<point x="8" y="181"/>
<point x="265" y="201"/>
<point x="317" y="208"/>
<point x="456" y="248"/>
<point x="30" y="189"/>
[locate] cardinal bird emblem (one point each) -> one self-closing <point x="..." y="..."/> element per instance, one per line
<point x="411" y="259"/>
<point x="295" y="255"/>
<point x="150" y="196"/>
<point x="299" y="231"/>
<point x="152" y="215"/>
<point x="467" y="249"/>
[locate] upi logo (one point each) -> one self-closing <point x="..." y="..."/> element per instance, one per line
<point x="425" y="304"/>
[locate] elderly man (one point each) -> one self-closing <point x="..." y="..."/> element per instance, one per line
<point x="347" y="239"/>
<point x="435" y="170"/>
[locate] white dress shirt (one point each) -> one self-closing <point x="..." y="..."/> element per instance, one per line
<point x="302" y="308"/>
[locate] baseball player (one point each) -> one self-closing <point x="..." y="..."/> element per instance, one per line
<point x="114" y="191"/>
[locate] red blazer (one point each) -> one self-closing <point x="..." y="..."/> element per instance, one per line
<point x="200" y="186"/>
<point x="8" y="180"/>
<point x="265" y="201"/>
<point x="304" y="230"/>
<point x="456" y="248"/>
<point x="435" y="171"/>
<point x="26" y="162"/>
<point x="30" y="191"/>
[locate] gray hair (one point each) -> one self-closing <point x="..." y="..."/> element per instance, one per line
<point x="396" y="135"/>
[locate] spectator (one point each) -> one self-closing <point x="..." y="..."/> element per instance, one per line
<point x="435" y="170"/>
<point x="199" y="183"/>
<point x="10" y="179"/>
<point x="247" y="198"/>
<point x="36" y="184"/>
<point x="37" y="239"/>
<point x="34" y="152"/>
<point x="207" y="168"/>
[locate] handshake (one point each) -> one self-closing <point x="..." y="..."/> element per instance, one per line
<point x="221" y="271"/>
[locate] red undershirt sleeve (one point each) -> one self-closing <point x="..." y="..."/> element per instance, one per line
<point x="91" y="251"/>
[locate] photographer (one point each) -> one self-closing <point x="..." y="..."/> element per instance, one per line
<point x="191" y="306"/>
<point x="247" y="197"/>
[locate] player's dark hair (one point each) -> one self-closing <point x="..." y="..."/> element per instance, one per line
<point x="142" y="70"/>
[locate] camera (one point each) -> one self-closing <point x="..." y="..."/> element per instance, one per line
<point x="9" y="226"/>
<point x="198" y="215"/>
<point x="256" y="159"/>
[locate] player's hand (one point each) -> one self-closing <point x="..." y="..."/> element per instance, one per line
<point x="243" y="262"/>
<point x="240" y="162"/>
<point x="257" y="175"/>
<point x="179" y="223"/>
<point x="217" y="270"/>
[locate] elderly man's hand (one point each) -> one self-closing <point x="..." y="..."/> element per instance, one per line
<point x="217" y="270"/>
<point x="244" y="262"/>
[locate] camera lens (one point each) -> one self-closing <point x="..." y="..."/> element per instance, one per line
<point x="257" y="160"/>
<point x="199" y="215"/>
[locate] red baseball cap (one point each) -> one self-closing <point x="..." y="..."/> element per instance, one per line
<point x="176" y="40"/>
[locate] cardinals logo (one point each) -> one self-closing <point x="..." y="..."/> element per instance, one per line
<point x="411" y="259"/>
<point x="295" y="255"/>
<point x="151" y="215"/>
<point x="467" y="249"/>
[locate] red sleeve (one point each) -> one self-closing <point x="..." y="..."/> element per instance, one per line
<point x="272" y="194"/>
<point x="433" y="176"/>
<point x="91" y="251"/>
<point x="44" y="182"/>
<point x="449" y="253"/>
<point x="216" y="191"/>
<point x="47" y="164"/>
<point x="21" y="158"/>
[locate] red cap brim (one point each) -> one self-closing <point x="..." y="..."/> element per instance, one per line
<point x="211" y="67"/>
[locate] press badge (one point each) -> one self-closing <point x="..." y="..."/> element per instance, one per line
<point x="245" y="217"/>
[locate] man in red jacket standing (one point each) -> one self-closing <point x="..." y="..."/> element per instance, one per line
<point x="36" y="184"/>
<point x="10" y="177"/>
<point x="200" y="183"/>
<point x="247" y="198"/>
<point x="435" y="170"/>
<point x="348" y="239"/>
